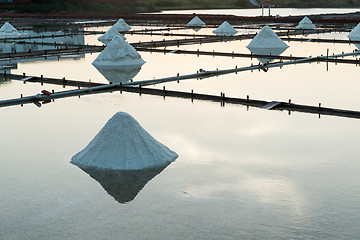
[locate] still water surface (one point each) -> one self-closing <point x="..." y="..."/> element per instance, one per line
<point x="241" y="173"/>
<point x="273" y="11"/>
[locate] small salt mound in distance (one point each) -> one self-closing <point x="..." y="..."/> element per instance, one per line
<point x="305" y="23"/>
<point x="196" y="22"/>
<point x="266" y="42"/>
<point x="109" y="35"/>
<point x="118" y="53"/>
<point x="121" y="26"/>
<point x="225" y="29"/>
<point x="123" y="144"/>
<point x="354" y="35"/>
<point x="8" y="31"/>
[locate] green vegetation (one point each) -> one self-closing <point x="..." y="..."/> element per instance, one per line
<point x="58" y="6"/>
<point x="62" y="6"/>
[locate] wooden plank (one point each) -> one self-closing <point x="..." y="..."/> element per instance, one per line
<point x="186" y="95"/>
<point x="271" y="105"/>
<point x="27" y="78"/>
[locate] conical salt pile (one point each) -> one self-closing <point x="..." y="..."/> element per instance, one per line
<point x="118" y="53"/>
<point x="8" y="31"/>
<point x="121" y="26"/>
<point x="305" y="23"/>
<point x="122" y="144"/>
<point x="109" y="35"/>
<point x="267" y="42"/>
<point x="354" y="35"/>
<point x="196" y="22"/>
<point x="225" y="29"/>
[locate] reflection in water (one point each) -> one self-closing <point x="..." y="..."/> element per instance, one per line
<point x="40" y="44"/>
<point x="7" y="66"/>
<point x="119" y="74"/>
<point x="123" y="185"/>
<point x="267" y="51"/>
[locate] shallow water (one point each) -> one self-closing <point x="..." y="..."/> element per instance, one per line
<point x="241" y="173"/>
<point x="273" y="11"/>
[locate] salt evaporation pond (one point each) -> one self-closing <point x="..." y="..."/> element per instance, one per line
<point x="241" y="173"/>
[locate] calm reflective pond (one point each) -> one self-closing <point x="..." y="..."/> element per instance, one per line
<point x="241" y="173"/>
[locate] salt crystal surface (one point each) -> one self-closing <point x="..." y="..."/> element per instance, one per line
<point x="118" y="53"/>
<point x="225" y="29"/>
<point x="196" y="22"/>
<point x="121" y="26"/>
<point x="123" y="144"/>
<point x="267" y="42"/>
<point x="7" y="30"/>
<point x="354" y="35"/>
<point x="109" y="35"/>
<point x="305" y="23"/>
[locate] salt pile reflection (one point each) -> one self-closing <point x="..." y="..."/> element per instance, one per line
<point x="123" y="185"/>
<point x="119" y="74"/>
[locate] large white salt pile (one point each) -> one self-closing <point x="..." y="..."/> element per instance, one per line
<point x="119" y="74"/>
<point x="109" y="35"/>
<point x="8" y="31"/>
<point x="305" y="23"/>
<point x="123" y="144"/>
<point x="267" y="42"/>
<point x="118" y="53"/>
<point x="354" y="35"/>
<point x="121" y="26"/>
<point x="196" y="22"/>
<point x="225" y="29"/>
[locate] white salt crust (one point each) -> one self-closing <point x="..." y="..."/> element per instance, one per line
<point x="7" y="30"/>
<point x="123" y="144"/>
<point x="196" y="22"/>
<point x="118" y="53"/>
<point x="121" y="26"/>
<point x="109" y="35"/>
<point x="305" y="23"/>
<point x="225" y="29"/>
<point x="354" y="35"/>
<point x="267" y="41"/>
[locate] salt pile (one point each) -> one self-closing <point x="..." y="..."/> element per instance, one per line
<point x="305" y="23"/>
<point x="266" y="42"/>
<point x="118" y="53"/>
<point x="122" y="144"/>
<point x="354" y="35"/>
<point x="121" y="26"/>
<point x="225" y="29"/>
<point x="196" y="22"/>
<point x="123" y="185"/>
<point x="8" y="31"/>
<point x="119" y="74"/>
<point x="109" y="35"/>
